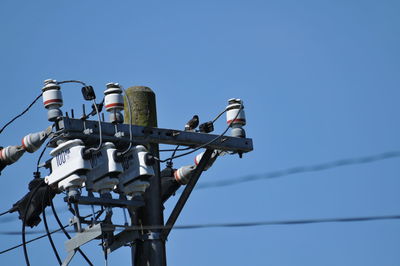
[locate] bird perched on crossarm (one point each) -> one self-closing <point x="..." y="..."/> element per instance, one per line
<point x="192" y="123"/>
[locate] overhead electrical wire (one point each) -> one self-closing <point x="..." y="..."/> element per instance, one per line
<point x="4" y="213"/>
<point x="295" y="170"/>
<point x="32" y="240"/>
<point x="46" y="226"/>
<point x="229" y="225"/>
<point x="34" y="191"/>
<point x="302" y="169"/>
<point x="213" y="121"/>
<point x="21" y="114"/>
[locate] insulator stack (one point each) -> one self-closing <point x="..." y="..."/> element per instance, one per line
<point x="33" y="141"/>
<point x="11" y="154"/>
<point x="184" y="173"/>
<point x="52" y="99"/>
<point x="114" y="102"/>
<point x="235" y="117"/>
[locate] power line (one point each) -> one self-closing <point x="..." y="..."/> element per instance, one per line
<point x="30" y="241"/>
<point x="235" y="224"/>
<point x="21" y="114"/>
<point x="303" y="169"/>
<point x="4" y="213"/>
<point x="205" y="144"/>
<point x="46" y="226"/>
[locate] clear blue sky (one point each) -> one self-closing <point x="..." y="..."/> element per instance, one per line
<point x="319" y="79"/>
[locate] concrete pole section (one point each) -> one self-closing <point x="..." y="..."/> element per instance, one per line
<point x="151" y="251"/>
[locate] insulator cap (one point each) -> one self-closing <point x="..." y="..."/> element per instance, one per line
<point x="232" y="110"/>
<point x="114" y="101"/>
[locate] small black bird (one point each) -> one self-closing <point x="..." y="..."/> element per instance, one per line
<point x="192" y="123"/>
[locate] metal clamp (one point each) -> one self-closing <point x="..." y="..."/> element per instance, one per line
<point x="151" y="236"/>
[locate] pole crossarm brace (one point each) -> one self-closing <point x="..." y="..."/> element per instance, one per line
<point x="88" y="130"/>
<point x="186" y="193"/>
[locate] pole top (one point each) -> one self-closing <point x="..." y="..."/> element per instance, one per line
<point x="140" y="89"/>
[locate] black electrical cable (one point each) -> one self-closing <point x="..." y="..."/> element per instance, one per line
<point x="265" y="223"/>
<point x="205" y="144"/>
<point x="173" y="154"/>
<point x="169" y="150"/>
<point x="227" y="225"/>
<point x="46" y="226"/>
<point x="213" y="121"/>
<point x="218" y="116"/>
<point x="66" y="233"/>
<point x="40" y="157"/>
<point x="32" y="240"/>
<point x="72" y="81"/>
<point x="24" y="222"/>
<point x="303" y="169"/>
<point x="21" y="114"/>
<point x="4" y="213"/>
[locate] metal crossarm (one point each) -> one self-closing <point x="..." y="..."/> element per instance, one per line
<point x="88" y="131"/>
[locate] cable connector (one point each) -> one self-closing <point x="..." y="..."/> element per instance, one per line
<point x="88" y="93"/>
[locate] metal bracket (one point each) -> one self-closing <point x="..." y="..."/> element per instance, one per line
<point x="151" y="236"/>
<point x="73" y="128"/>
<point x="84" y="237"/>
<point x="85" y="200"/>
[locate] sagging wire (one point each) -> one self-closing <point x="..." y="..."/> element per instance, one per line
<point x="218" y="116"/>
<point x="303" y="169"/>
<point x="72" y="81"/>
<point x="21" y="114"/>
<point x="46" y="226"/>
<point x="188" y="148"/>
<point x="35" y="190"/>
<point x="205" y="144"/>
<point x="97" y="112"/>
<point x="32" y="240"/>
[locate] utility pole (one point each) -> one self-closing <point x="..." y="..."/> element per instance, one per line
<point x="149" y="251"/>
<point x="123" y="159"/>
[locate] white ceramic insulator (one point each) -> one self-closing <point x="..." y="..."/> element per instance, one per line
<point x="52" y="98"/>
<point x="68" y="161"/>
<point x="103" y="175"/>
<point x="11" y="154"/>
<point x="33" y="141"/>
<point x="183" y="174"/>
<point x="71" y="182"/>
<point x="135" y="168"/>
<point x="113" y="101"/>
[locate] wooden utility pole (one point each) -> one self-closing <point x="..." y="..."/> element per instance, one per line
<point x="151" y="250"/>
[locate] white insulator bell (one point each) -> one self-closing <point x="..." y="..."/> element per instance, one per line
<point x="103" y="176"/>
<point x="137" y="169"/>
<point x="114" y="102"/>
<point x="68" y="166"/>
<point x="235" y="117"/>
<point x="52" y="99"/>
